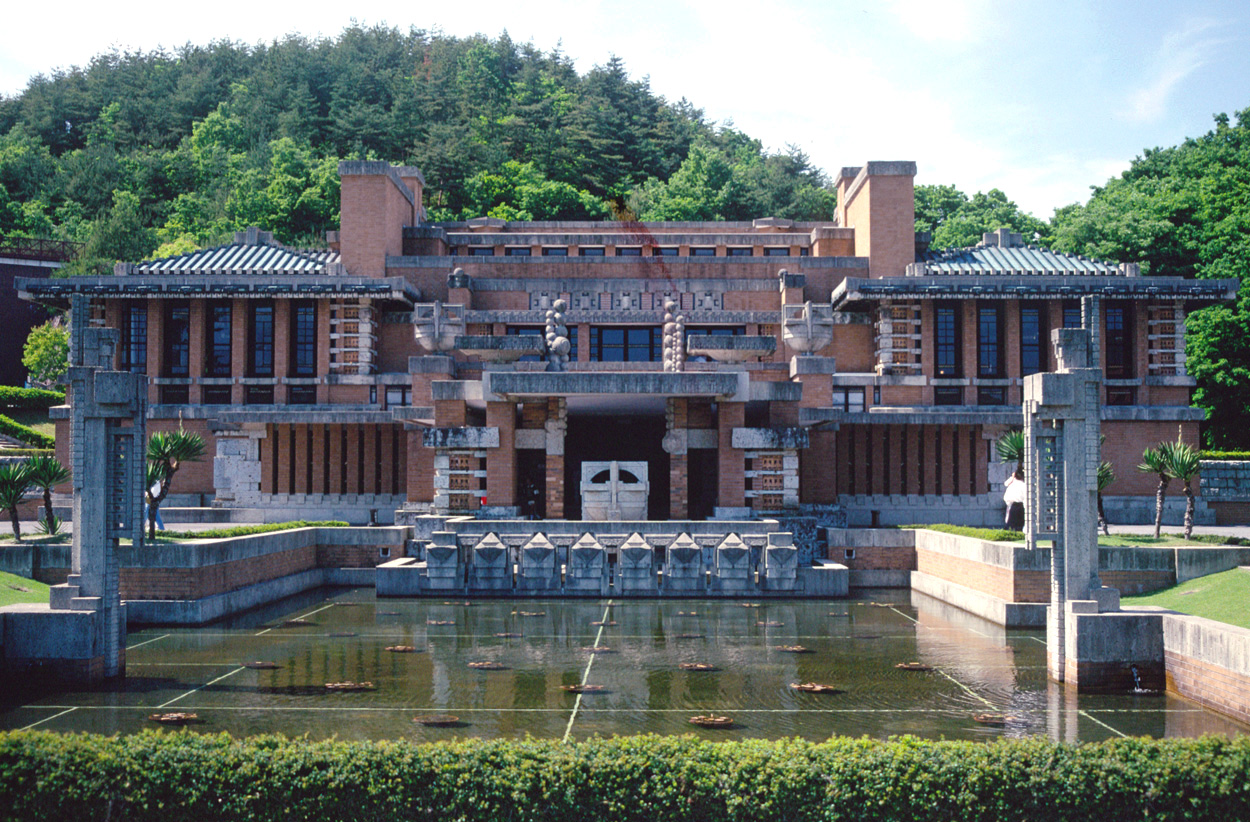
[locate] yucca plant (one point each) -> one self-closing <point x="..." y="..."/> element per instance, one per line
<point x="1010" y="448"/>
<point x="1153" y="462"/>
<point x="14" y="483"/>
<point x="167" y="450"/>
<point x="1106" y="476"/>
<point x="45" y="472"/>
<point x="1183" y="464"/>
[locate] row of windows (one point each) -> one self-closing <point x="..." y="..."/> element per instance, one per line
<point x="627" y="251"/>
<point x="218" y="339"/>
<point x="1034" y="339"/>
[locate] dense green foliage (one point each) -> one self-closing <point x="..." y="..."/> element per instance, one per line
<point x="1184" y="211"/>
<point x="1221" y="597"/>
<point x="183" y="776"/>
<point x="956" y="220"/>
<point x="11" y="397"/>
<point x="163" y="152"/>
<point x="24" y="433"/>
<point x="248" y="530"/>
<point x="46" y="353"/>
<point x="1232" y="456"/>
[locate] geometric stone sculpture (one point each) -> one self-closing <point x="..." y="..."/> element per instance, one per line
<point x="444" y="571"/>
<point x="635" y="568"/>
<point x="489" y="568"/>
<point x="614" y="490"/>
<point x="683" y="568"/>
<point x="734" y="574"/>
<point x="586" y="572"/>
<point x="539" y="570"/>
<point x="780" y="563"/>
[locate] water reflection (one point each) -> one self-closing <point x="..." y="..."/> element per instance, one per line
<point x="540" y="646"/>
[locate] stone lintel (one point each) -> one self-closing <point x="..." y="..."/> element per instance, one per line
<point x="467" y="437"/>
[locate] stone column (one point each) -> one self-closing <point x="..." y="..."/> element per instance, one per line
<point x="731" y="485"/>
<point x="501" y="461"/>
<point x="236" y="466"/>
<point x="557" y="423"/>
<point x="676" y="441"/>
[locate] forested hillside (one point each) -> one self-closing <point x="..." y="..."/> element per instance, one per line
<point x="177" y="149"/>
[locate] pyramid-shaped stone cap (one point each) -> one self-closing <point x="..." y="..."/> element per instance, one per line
<point x="733" y="553"/>
<point x="587" y="551"/>
<point x="685" y="551"/>
<point x="636" y="552"/>
<point x="538" y="547"/>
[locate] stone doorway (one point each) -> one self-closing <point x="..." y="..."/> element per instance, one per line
<point x="616" y="437"/>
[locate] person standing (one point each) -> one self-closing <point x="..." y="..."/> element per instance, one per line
<point x="1014" y="494"/>
<point x="148" y="499"/>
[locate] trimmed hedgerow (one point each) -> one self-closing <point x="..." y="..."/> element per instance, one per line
<point x="1233" y="456"/>
<point x="248" y="530"/>
<point x="29" y="398"/>
<point x="26" y="434"/>
<point x="185" y="776"/>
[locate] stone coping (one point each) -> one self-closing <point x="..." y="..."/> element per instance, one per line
<point x="732" y="385"/>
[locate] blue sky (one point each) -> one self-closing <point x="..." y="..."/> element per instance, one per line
<point x="1040" y="99"/>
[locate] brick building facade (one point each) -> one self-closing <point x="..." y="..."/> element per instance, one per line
<point x="410" y="368"/>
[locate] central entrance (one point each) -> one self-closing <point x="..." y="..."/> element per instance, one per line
<point x="616" y="437"/>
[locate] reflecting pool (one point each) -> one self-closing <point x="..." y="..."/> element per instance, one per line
<point x="632" y="654"/>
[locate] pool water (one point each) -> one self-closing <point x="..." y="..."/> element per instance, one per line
<point x="851" y="644"/>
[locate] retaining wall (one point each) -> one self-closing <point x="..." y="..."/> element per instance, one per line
<point x="1208" y="662"/>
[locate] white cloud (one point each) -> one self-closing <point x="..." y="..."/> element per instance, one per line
<point x="944" y="21"/>
<point x="1181" y="54"/>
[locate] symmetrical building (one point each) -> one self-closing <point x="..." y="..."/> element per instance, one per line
<point x="498" y="368"/>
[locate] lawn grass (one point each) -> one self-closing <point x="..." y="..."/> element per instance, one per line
<point x="36" y="418"/>
<point x="1112" y="541"/>
<point x="11" y="595"/>
<point x="1221" y="597"/>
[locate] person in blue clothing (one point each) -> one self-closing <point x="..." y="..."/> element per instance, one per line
<point x="148" y="499"/>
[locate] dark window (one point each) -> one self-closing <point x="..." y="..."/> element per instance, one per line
<point x="518" y="251"/>
<point x="991" y="395"/>
<point x="216" y="395"/>
<point x="398" y="395"/>
<point x="848" y="399"/>
<point x="135" y="351"/>
<point x="625" y="344"/>
<point x="665" y="251"/>
<point x="1118" y="342"/>
<point x="989" y="341"/>
<point x="777" y="251"/>
<point x="1072" y="314"/>
<point x="554" y="251"/>
<point x="628" y="251"/>
<point x="948" y="395"/>
<point x="479" y="251"/>
<point x="301" y="395"/>
<point x="177" y="340"/>
<point x="175" y="394"/>
<point x="217" y="352"/>
<point x="304" y="339"/>
<point x="1121" y="395"/>
<point x="260" y="341"/>
<point x="738" y="251"/>
<point x="702" y="252"/>
<point x="258" y="394"/>
<point x="803" y="252"/>
<point x="592" y="252"/>
<point x="1032" y="339"/>
<point x="946" y="340"/>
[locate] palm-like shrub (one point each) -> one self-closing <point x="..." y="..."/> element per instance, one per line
<point x="45" y="472"/>
<point x="1183" y="464"/>
<point x="1010" y="448"/>
<point x="1153" y="462"/>
<point x="1106" y="476"/>
<point x="167" y="450"/>
<point x="14" y="483"/>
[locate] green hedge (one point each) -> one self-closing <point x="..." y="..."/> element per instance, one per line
<point x="33" y="398"/>
<point x="26" y="434"/>
<point x="169" y="777"/>
<point x="27" y="452"/>
<point x="1224" y="455"/>
<point x="247" y="530"/>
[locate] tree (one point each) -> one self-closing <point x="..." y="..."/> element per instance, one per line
<point x="1106" y="476"/>
<point x="1183" y="464"/>
<point x="1154" y="462"/>
<point x="167" y="450"/>
<point x="45" y="472"/>
<point x="14" y="483"/>
<point x="46" y="353"/>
